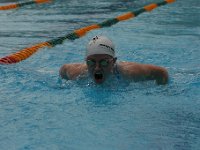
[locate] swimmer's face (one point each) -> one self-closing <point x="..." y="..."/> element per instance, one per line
<point x="100" y="66"/>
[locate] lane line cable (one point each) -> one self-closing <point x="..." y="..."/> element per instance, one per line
<point x="21" y="4"/>
<point x="27" y="52"/>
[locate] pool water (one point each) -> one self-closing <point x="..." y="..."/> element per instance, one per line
<point x="39" y="111"/>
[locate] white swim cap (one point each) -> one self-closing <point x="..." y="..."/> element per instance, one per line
<point x="100" y="45"/>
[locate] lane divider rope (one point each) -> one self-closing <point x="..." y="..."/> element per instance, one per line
<point x="17" y="5"/>
<point x="27" y="52"/>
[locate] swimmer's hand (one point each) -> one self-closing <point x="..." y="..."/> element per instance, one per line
<point x="161" y="76"/>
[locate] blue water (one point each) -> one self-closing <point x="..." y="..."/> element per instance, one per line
<point x="38" y="111"/>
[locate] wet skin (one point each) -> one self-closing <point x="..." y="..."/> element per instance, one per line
<point x="101" y="66"/>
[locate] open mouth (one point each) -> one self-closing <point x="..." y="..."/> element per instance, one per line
<point x="98" y="77"/>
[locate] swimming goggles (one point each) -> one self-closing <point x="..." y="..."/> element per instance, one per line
<point x="102" y="63"/>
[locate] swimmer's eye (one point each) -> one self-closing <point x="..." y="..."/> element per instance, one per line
<point x="104" y="63"/>
<point x="91" y="62"/>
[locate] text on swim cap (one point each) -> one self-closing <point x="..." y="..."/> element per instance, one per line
<point x="107" y="46"/>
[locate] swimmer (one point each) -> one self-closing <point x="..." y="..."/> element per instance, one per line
<point x="101" y="64"/>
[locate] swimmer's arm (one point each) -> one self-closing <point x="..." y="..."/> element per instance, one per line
<point x="72" y="71"/>
<point x="140" y="72"/>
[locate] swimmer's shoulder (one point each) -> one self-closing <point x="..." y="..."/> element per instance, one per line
<point x="139" y="71"/>
<point x="127" y="66"/>
<point x="74" y="65"/>
<point x="73" y="70"/>
<point x="132" y="69"/>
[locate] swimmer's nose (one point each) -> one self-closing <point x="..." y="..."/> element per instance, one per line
<point x="97" y="67"/>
